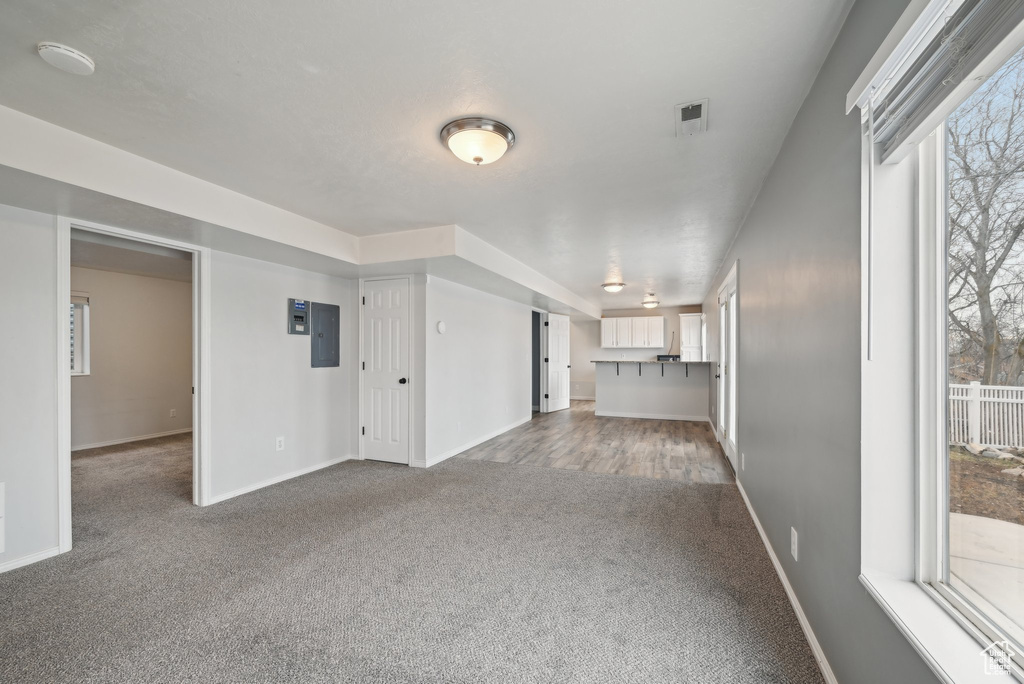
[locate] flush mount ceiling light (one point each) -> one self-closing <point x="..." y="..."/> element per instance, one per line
<point x="649" y="301"/>
<point x="613" y="287"/>
<point x="478" y="141"/>
<point x="66" y="58"/>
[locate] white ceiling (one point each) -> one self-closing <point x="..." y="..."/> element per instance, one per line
<point x="107" y="253"/>
<point x="332" y="111"/>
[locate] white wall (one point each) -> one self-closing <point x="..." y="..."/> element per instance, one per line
<point x="263" y="385"/>
<point x="477" y="373"/>
<point x="140" y="350"/>
<point x="28" y="382"/>
<point x="584" y="347"/>
<point x="799" y="363"/>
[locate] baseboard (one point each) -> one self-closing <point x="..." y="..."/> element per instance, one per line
<point x="812" y="640"/>
<point x="126" y="440"/>
<point x="29" y="559"/>
<point x="469" y="445"/>
<point x="581" y="398"/>
<point x="649" y="416"/>
<point x="217" y="498"/>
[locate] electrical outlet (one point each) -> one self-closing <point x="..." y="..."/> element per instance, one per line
<point x="792" y="543"/>
<point x="280" y="443"/>
<point x="622" y="356"/>
<point x="743" y="461"/>
<point x="458" y="426"/>
<point x="174" y="413"/>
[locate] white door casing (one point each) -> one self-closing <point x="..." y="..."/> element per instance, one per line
<point x="728" y="366"/>
<point x="558" y="362"/>
<point x="385" y="349"/>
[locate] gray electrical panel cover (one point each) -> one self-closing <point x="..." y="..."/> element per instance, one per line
<point x="325" y="322"/>
<point x="298" y="317"/>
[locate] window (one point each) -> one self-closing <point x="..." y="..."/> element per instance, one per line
<point x="942" y="302"/>
<point x="981" y="462"/>
<point x="79" y="333"/>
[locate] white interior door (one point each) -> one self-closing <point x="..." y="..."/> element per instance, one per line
<point x="728" y="368"/>
<point x="558" y="362"/>
<point x="386" y="378"/>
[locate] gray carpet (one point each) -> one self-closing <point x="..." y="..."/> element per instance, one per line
<point x="366" y="572"/>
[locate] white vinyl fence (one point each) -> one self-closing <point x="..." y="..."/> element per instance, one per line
<point x="986" y="414"/>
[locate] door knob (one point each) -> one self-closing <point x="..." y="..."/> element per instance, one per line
<point x="402" y="381"/>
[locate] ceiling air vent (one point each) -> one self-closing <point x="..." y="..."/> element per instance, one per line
<point x="691" y="118"/>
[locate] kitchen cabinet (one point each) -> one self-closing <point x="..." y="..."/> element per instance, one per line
<point x="642" y="332"/>
<point x="691" y="337"/>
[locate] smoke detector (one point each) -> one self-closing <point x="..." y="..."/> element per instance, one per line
<point x="691" y="118"/>
<point x="66" y="58"/>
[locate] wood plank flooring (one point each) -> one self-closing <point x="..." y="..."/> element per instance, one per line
<point x="576" y="439"/>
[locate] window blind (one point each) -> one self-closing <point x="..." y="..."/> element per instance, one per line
<point x="967" y="36"/>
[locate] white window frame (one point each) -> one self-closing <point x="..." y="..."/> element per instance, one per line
<point x="903" y="513"/>
<point x="82" y="334"/>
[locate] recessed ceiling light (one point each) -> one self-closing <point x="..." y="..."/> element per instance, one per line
<point x="613" y="287"/>
<point x="66" y="58"/>
<point x="478" y="141"/>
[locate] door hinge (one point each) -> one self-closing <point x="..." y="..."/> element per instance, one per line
<point x="364" y="301"/>
<point x="546" y="396"/>
<point x="193" y="390"/>
<point x="545" y="324"/>
<point x="364" y="365"/>
<point x="545" y="359"/>
<point x="364" y="430"/>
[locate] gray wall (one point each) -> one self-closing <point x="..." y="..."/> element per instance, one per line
<point x="799" y="363"/>
<point x="140" y="351"/>
<point x="28" y="381"/>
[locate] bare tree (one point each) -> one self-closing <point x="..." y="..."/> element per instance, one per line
<point x="985" y="153"/>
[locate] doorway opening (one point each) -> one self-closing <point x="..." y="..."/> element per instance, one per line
<point x="131" y="369"/>
<point x="131" y="362"/>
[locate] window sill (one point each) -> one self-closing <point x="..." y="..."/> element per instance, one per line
<point x="952" y="652"/>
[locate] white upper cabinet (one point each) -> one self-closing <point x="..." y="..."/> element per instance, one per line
<point x="623" y="332"/>
<point x="607" y="332"/>
<point x="690" y="337"/>
<point x="636" y="333"/>
<point x="655" y="331"/>
<point x="639" y="336"/>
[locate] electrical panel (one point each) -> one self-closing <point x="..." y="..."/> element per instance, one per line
<point x="325" y="344"/>
<point x="298" y="317"/>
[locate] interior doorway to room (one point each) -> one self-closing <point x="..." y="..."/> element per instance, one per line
<point x="728" y="368"/>
<point x="385" y="377"/>
<point x="130" y="341"/>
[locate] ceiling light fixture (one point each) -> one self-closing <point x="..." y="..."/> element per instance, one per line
<point x="649" y="301"/>
<point x="613" y="287"/>
<point x="66" y="58"/>
<point x="478" y="141"/>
